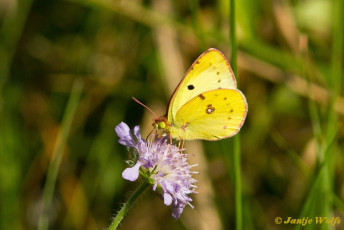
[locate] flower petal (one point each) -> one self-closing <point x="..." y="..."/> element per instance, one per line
<point x="126" y="142"/>
<point x="123" y="131"/>
<point x="177" y="210"/>
<point x="137" y="132"/>
<point x="132" y="173"/>
<point x="167" y="199"/>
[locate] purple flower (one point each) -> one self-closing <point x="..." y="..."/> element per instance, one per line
<point x="166" y="168"/>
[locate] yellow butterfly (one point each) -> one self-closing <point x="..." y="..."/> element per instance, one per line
<point x="206" y="104"/>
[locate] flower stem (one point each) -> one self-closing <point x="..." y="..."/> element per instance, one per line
<point x="236" y="147"/>
<point x="127" y="206"/>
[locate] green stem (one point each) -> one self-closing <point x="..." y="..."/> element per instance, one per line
<point x="237" y="182"/>
<point x="232" y="35"/>
<point x="236" y="146"/>
<point x="127" y="206"/>
<point x="54" y="165"/>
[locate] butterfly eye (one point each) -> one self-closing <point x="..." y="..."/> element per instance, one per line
<point x="162" y="125"/>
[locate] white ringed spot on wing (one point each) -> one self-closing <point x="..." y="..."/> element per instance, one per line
<point x="209" y="109"/>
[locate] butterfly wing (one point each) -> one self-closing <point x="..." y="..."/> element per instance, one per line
<point x="209" y="72"/>
<point x="211" y="115"/>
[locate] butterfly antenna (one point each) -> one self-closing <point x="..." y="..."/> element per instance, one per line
<point x="144" y="106"/>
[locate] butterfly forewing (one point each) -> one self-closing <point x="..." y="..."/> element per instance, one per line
<point x="209" y="72"/>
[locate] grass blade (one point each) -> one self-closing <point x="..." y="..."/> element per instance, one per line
<point x="58" y="152"/>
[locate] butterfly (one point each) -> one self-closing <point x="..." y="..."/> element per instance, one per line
<point x="206" y="104"/>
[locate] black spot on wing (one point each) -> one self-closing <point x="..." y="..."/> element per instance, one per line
<point x="191" y="87"/>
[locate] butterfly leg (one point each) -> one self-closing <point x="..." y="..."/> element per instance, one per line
<point x="182" y="146"/>
<point x="170" y="139"/>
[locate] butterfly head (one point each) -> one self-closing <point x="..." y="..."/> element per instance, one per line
<point x="160" y="123"/>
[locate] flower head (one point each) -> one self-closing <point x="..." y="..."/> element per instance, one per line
<point x="162" y="164"/>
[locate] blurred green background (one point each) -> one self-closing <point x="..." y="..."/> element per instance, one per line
<point x="68" y="70"/>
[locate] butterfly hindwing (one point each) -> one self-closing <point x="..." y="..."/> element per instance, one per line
<point x="211" y="115"/>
